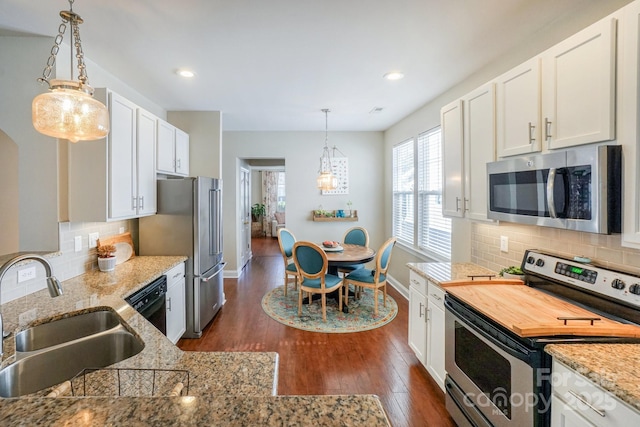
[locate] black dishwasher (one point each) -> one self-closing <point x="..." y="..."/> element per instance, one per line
<point x="150" y="303"/>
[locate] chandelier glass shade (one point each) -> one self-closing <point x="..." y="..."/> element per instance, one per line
<point x="68" y="110"/>
<point x="326" y="179"/>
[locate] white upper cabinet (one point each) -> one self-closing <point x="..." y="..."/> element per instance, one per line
<point x="479" y="148"/>
<point x="561" y="98"/>
<point x="114" y="178"/>
<point x="578" y="87"/>
<point x="172" y="150"/>
<point x="628" y="113"/>
<point x="518" y="110"/>
<point x="452" y="158"/>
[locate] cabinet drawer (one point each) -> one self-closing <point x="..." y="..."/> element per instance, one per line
<point x="436" y="295"/>
<point x="589" y="400"/>
<point x="418" y="282"/>
<point x="175" y="274"/>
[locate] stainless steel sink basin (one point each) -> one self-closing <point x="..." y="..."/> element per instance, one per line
<point x="53" y="360"/>
<point x="65" y="330"/>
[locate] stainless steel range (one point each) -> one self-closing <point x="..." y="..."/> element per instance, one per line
<point x="495" y="332"/>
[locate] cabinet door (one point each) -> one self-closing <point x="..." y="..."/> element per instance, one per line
<point x="452" y="159"/>
<point x="146" y="170"/>
<point x="176" y="320"/>
<point x="418" y="324"/>
<point x="479" y="148"/>
<point x="435" y="335"/>
<point x="562" y="415"/>
<point x="165" y="147"/>
<point x="182" y="152"/>
<point x="578" y="87"/>
<point x="518" y="110"/>
<point x="628" y="109"/>
<point x="122" y="158"/>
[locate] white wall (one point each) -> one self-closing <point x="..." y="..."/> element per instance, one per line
<point x="301" y="151"/>
<point x="205" y="140"/>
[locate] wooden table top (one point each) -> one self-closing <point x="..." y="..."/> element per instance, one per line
<point x="350" y="255"/>
<point x="531" y="313"/>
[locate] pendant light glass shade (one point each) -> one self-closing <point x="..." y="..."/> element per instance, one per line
<point x="68" y="112"/>
<point x="326" y="179"/>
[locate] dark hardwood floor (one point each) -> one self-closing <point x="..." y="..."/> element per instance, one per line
<point x="372" y="362"/>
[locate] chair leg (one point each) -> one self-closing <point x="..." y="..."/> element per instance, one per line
<point x="300" y="302"/>
<point x="340" y="298"/>
<point x="384" y="289"/>
<point x="375" y="301"/>
<point x="324" y="307"/>
<point x="346" y="294"/>
<point x="286" y="283"/>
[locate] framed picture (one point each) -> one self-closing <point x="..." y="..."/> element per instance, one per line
<point x="340" y="168"/>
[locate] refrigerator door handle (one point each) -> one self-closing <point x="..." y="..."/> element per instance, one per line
<point x="215" y="273"/>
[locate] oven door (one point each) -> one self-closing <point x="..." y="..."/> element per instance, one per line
<point x="493" y="378"/>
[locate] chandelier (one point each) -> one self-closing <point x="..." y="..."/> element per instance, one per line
<point x="68" y="110"/>
<point x="326" y="179"/>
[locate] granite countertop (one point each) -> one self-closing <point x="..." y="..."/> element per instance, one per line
<point x="614" y="367"/>
<point x="439" y="272"/>
<point x="225" y="388"/>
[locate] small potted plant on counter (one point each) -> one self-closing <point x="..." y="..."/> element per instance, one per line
<point x="106" y="257"/>
<point x="512" y="272"/>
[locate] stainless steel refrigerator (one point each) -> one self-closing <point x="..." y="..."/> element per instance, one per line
<point x="189" y="222"/>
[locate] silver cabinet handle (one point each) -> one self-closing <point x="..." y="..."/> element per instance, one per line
<point x="134" y="203"/>
<point x="168" y="304"/>
<point x="583" y="400"/>
<point x="457" y="204"/>
<point x="532" y="135"/>
<point x="178" y="274"/>
<point x="415" y="282"/>
<point x="436" y="297"/>
<point x="141" y="202"/>
<point x="420" y="309"/>
<point x="547" y="128"/>
<point x="466" y="202"/>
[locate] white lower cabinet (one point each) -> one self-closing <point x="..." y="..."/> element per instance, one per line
<point x="175" y="299"/>
<point x="435" y="333"/>
<point x="418" y="317"/>
<point x="576" y="401"/>
<point x="426" y="325"/>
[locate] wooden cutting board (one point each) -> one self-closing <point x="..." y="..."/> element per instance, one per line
<point x="529" y="312"/>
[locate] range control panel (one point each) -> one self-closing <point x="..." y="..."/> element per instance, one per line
<point x="614" y="284"/>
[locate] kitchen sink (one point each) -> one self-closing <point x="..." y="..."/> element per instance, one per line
<point x="65" y="330"/>
<point x="52" y="360"/>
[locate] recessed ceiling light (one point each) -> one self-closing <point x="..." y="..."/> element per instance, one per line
<point x="186" y="73"/>
<point x="394" y="75"/>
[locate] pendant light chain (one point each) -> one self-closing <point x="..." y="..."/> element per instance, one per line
<point x="82" y="69"/>
<point x="46" y="73"/>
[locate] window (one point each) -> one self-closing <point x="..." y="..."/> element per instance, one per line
<point x="281" y="194"/>
<point x="430" y="231"/>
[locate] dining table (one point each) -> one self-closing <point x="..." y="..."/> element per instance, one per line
<point x="344" y="254"/>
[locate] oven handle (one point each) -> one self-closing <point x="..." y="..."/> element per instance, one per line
<point x="518" y="351"/>
<point x="462" y="401"/>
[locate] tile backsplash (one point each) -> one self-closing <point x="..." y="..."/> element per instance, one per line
<point x="66" y="263"/>
<point x="604" y="249"/>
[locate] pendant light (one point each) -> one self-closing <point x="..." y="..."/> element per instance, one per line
<point x="68" y="110"/>
<point x="326" y="179"/>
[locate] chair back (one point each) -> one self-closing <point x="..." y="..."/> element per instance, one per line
<point x="383" y="257"/>
<point x="356" y="236"/>
<point x="286" y="239"/>
<point x="310" y="260"/>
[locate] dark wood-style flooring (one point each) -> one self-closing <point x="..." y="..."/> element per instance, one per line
<point x="372" y="362"/>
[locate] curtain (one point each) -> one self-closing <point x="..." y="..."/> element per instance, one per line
<point x="270" y="195"/>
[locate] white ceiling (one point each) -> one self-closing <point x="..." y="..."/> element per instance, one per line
<point x="274" y="64"/>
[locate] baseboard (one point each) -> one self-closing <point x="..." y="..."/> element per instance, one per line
<point x="404" y="291"/>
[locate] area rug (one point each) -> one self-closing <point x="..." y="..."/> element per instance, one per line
<point x="360" y="317"/>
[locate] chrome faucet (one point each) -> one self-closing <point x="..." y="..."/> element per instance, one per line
<point x="55" y="289"/>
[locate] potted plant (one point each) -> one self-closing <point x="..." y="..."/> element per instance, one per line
<point x="512" y="272"/>
<point x="350" y="212"/>
<point x="106" y="257"/>
<point x="257" y="212"/>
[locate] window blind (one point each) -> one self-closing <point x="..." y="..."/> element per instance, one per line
<point x="403" y="192"/>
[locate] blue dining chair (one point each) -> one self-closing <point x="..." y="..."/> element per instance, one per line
<point x="312" y="263"/>
<point x="373" y="279"/>
<point x="354" y="236"/>
<point x="286" y="239"/>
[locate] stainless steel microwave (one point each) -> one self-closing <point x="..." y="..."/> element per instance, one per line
<point x="576" y="189"/>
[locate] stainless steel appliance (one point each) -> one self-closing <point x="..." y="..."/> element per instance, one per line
<point x="577" y="189"/>
<point x="150" y="302"/>
<point x="189" y="222"/>
<point x="495" y="333"/>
